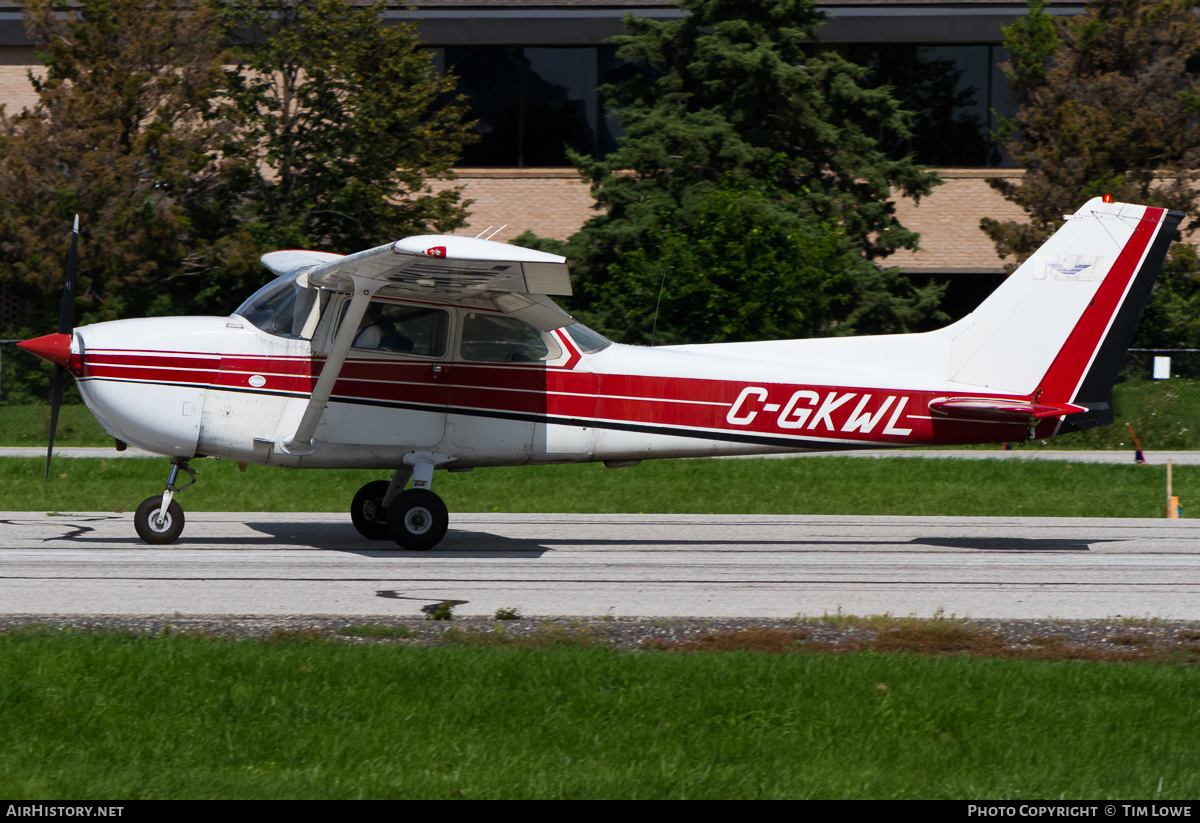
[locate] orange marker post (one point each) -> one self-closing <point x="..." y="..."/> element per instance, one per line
<point x="1138" y="457"/>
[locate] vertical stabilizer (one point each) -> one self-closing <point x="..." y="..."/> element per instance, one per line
<point x="1057" y="328"/>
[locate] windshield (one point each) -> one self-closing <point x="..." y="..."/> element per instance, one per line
<point x="588" y="341"/>
<point x="282" y="307"/>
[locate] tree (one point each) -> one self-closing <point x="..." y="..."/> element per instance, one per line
<point x="123" y="134"/>
<point x="738" y="123"/>
<point x="346" y="119"/>
<point x="1107" y="105"/>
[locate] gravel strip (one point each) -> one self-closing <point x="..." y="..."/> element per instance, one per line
<point x="1117" y="635"/>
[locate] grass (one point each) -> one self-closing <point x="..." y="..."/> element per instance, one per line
<point x="30" y="426"/>
<point x="378" y="631"/>
<point x="114" y="716"/>
<point x="812" y="485"/>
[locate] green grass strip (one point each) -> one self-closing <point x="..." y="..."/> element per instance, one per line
<point x="811" y="485"/>
<point x="117" y="717"/>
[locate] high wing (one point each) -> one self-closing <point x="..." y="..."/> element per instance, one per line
<point x="447" y="265"/>
<point x="510" y="278"/>
<point x="464" y="269"/>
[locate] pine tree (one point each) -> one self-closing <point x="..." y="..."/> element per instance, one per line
<point x="124" y="135"/>
<point x="1108" y="104"/>
<point x="346" y="118"/>
<point x="739" y="130"/>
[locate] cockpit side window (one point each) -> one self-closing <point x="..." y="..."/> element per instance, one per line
<point x="499" y="339"/>
<point x="396" y="327"/>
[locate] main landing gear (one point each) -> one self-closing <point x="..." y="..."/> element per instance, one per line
<point x="159" y="519"/>
<point x="416" y="519"/>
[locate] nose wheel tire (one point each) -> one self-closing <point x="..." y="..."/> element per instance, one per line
<point x="367" y="511"/>
<point x="417" y="520"/>
<point x="155" y="529"/>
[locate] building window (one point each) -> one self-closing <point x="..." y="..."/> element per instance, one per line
<point x="535" y="102"/>
<point x="952" y="91"/>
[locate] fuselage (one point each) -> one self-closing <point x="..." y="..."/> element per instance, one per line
<point x="224" y="387"/>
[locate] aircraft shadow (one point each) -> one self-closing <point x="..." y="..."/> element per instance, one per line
<point x="465" y="543"/>
<point x="340" y="538"/>
<point x="1010" y="544"/>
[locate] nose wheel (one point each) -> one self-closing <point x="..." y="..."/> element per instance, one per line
<point x="156" y="526"/>
<point x="159" y="519"/>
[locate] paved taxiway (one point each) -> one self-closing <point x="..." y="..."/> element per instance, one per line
<point x="625" y="565"/>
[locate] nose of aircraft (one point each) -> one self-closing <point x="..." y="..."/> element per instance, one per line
<point x="56" y="348"/>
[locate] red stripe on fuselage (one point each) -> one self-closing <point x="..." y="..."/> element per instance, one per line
<point x="690" y="405"/>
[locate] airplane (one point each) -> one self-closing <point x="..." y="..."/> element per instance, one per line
<point x="447" y="353"/>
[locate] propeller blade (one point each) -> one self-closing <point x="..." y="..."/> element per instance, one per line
<point x="66" y="325"/>
<point x="56" y="392"/>
<point x="66" y="315"/>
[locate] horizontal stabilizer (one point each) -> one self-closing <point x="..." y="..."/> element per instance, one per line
<point x="994" y="410"/>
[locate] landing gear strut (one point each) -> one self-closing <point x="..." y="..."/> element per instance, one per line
<point x="159" y="519"/>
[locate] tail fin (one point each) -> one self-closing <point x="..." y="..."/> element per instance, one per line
<point x="1057" y="328"/>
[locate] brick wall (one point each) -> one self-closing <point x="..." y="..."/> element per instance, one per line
<point x="548" y="202"/>
<point x="554" y="203"/>
<point x="15" y="91"/>
<point x="948" y="221"/>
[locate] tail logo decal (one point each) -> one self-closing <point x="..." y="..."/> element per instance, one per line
<point x="1071" y="267"/>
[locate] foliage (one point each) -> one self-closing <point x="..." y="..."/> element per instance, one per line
<point x="439" y="611"/>
<point x="183" y="170"/>
<point x="125" y="133"/>
<point x="731" y="267"/>
<point x="345" y="119"/>
<point x="735" y="122"/>
<point x="1108" y="105"/>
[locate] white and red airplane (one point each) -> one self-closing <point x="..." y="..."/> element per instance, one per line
<point x="441" y="352"/>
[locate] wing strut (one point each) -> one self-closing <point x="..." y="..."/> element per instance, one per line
<point x="301" y="442"/>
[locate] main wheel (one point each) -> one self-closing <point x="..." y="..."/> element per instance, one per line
<point x="146" y="516"/>
<point x="417" y="519"/>
<point x="367" y="511"/>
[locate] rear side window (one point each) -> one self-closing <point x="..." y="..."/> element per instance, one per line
<point x="498" y="339"/>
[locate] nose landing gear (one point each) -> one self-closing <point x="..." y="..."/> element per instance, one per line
<point x="159" y="520"/>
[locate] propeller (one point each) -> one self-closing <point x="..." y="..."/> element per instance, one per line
<point x="56" y="348"/>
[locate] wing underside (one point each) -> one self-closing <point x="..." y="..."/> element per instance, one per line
<point x="512" y="279"/>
